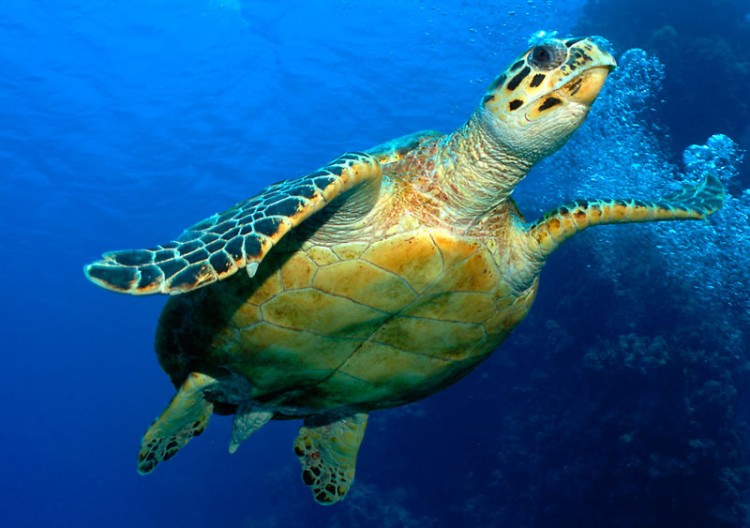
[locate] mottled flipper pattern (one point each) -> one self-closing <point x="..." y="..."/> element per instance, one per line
<point x="328" y="453"/>
<point x="691" y="203"/>
<point x="240" y="237"/>
<point x="186" y="416"/>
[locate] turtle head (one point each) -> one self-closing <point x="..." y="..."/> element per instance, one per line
<point x="534" y="106"/>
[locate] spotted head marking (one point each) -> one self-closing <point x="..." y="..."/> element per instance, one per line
<point x="545" y="94"/>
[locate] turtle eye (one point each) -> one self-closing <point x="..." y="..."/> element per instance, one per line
<point x="542" y="55"/>
<point x="547" y="56"/>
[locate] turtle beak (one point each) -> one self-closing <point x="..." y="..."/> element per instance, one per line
<point x="585" y="88"/>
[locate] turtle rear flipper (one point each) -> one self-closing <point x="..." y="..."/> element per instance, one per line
<point x="248" y="418"/>
<point x="240" y="237"/>
<point x="186" y="416"/>
<point x="328" y="453"/>
<point x="690" y="203"/>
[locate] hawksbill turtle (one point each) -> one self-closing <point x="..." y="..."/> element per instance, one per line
<point x="376" y="280"/>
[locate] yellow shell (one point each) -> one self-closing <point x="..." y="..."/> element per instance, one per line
<point x="358" y="324"/>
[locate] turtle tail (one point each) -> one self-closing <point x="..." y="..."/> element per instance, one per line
<point x="690" y="203"/>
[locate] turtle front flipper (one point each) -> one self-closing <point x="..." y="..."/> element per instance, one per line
<point x="186" y="416"/>
<point x="240" y="237"/>
<point x="691" y="203"/>
<point x="328" y="453"/>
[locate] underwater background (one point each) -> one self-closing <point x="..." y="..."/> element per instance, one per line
<point x="621" y="401"/>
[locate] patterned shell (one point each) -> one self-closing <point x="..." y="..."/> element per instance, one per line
<point x="364" y="324"/>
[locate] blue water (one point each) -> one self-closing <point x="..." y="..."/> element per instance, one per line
<point x="620" y="401"/>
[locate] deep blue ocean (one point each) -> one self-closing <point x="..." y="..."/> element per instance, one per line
<point x="622" y="399"/>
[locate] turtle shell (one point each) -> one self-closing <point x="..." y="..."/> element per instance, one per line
<point x="359" y="325"/>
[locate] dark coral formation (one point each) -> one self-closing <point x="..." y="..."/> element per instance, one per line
<point x="637" y="424"/>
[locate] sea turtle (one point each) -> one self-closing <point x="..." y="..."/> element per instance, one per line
<point x="377" y="280"/>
